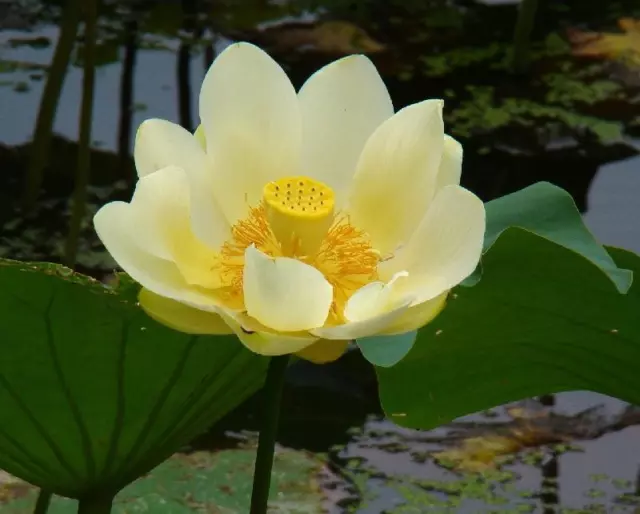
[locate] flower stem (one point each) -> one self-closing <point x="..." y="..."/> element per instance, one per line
<point x="522" y="37"/>
<point x="272" y="394"/>
<point x="84" y="143"/>
<point x="95" y="505"/>
<point x="42" y="503"/>
<point x="39" y="156"/>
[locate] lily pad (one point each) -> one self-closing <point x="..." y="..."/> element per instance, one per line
<point x="550" y="212"/>
<point x="544" y="319"/>
<point x="93" y="393"/>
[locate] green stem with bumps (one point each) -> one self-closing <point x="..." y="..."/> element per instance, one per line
<point x="84" y="144"/>
<point x="95" y="505"/>
<point x="522" y="37"/>
<point x="42" y="503"/>
<point x="39" y="154"/>
<point x="272" y="394"/>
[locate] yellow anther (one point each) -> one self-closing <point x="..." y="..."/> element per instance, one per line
<point x="300" y="212"/>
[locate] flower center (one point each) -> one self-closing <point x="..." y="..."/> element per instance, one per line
<point x="296" y="219"/>
<point x="300" y="212"/>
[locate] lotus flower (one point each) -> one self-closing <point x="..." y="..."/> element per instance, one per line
<point x="300" y="221"/>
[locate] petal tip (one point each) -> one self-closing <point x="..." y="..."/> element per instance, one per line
<point x="357" y="60"/>
<point x="106" y="213"/>
<point x="241" y="49"/>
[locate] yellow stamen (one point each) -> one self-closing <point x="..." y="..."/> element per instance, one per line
<point x="253" y="230"/>
<point x="347" y="260"/>
<point x="300" y="211"/>
<point x="296" y="219"/>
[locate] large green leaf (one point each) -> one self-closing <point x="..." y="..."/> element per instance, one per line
<point x="93" y="393"/>
<point x="550" y="212"/>
<point x="542" y="320"/>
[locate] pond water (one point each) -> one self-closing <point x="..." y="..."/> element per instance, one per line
<point x="570" y="120"/>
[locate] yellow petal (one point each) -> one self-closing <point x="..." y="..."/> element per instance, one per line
<point x="398" y="171"/>
<point x="159" y="207"/>
<point x="446" y="247"/>
<point x="371" y="310"/>
<point x="181" y="317"/>
<point x="323" y="351"/>
<point x="208" y="221"/>
<point x="264" y="342"/>
<point x="370" y="300"/>
<point x="451" y="164"/>
<point x="200" y="137"/>
<point x="285" y="294"/>
<point x="113" y="224"/>
<point x="251" y="118"/>
<point x="341" y="105"/>
<point x="195" y="261"/>
<point x="159" y="218"/>
<point x="160" y="143"/>
<point x="417" y="316"/>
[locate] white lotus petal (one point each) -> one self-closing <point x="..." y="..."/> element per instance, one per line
<point x="264" y="342"/>
<point x="181" y="317"/>
<point x="371" y="310"/>
<point x="285" y="294"/>
<point x="113" y="223"/>
<point x="451" y="164"/>
<point x="446" y="247"/>
<point x="251" y="118"/>
<point x="341" y="104"/>
<point x="397" y="174"/>
<point x="160" y="143"/>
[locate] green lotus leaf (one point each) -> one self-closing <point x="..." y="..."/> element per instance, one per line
<point x="93" y="393"/>
<point x="544" y="319"/>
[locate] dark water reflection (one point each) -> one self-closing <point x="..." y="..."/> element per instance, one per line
<point x="570" y="121"/>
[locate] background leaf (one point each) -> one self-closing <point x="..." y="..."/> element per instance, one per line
<point x="93" y="393"/>
<point x="542" y="320"/>
<point x="550" y="212"/>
